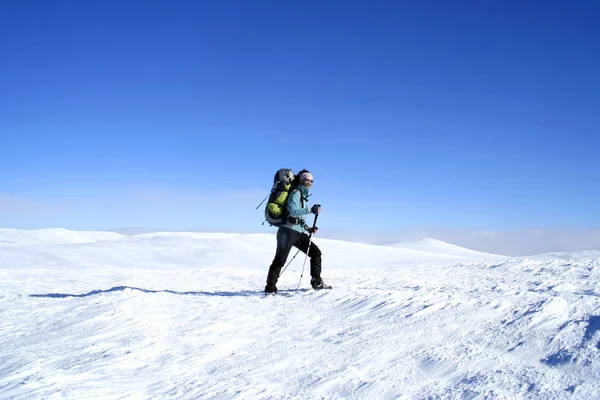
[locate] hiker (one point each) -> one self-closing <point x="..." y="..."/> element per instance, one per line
<point x="291" y="234"/>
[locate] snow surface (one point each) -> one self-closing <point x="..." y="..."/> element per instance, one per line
<point x="182" y="316"/>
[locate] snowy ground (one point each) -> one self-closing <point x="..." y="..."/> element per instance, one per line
<point x="182" y="316"/>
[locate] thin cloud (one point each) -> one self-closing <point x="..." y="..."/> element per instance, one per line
<point x="14" y="206"/>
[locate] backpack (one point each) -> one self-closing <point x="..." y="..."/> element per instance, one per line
<point x="283" y="183"/>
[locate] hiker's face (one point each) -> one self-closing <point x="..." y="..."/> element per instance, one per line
<point x="308" y="183"/>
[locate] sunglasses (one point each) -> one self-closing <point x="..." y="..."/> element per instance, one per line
<point x="308" y="180"/>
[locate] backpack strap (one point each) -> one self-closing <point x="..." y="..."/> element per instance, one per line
<point x="303" y="204"/>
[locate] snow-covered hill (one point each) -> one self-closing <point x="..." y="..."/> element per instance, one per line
<point x="437" y="246"/>
<point x="584" y="254"/>
<point x="15" y="237"/>
<point x="182" y="316"/>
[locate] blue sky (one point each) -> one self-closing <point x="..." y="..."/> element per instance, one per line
<point x="411" y="115"/>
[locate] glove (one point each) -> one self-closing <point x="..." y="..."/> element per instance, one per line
<point x="311" y="230"/>
<point x="315" y="209"/>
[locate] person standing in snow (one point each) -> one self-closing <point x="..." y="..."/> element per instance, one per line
<point x="292" y="234"/>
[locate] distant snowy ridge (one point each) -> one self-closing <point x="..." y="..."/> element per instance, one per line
<point x="423" y="250"/>
<point x="169" y="250"/>
<point x="437" y="246"/>
<point x="575" y="255"/>
<point x="18" y="237"/>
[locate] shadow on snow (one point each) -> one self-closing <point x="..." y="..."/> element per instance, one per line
<point x="243" y="293"/>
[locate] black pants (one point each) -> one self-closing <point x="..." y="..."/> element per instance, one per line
<point x="286" y="239"/>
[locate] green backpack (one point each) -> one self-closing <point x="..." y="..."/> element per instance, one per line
<point x="283" y="183"/>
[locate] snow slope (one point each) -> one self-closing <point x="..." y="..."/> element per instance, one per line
<point x="15" y="237"/>
<point x="182" y="316"/>
<point x="437" y="246"/>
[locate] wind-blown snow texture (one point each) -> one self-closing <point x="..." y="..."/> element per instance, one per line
<point x="181" y="315"/>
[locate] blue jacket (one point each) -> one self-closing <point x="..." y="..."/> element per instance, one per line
<point x="297" y="206"/>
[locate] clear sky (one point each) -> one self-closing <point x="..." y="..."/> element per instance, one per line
<point x="410" y="114"/>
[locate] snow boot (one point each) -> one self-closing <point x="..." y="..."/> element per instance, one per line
<point x="318" y="284"/>
<point x="270" y="289"/>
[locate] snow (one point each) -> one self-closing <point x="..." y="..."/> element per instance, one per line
<point x="437" y="246"/>
<point x="14" y="237"/>
<point x="182" y="315"/>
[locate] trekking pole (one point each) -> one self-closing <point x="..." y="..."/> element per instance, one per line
<point x="262" y="202"/>
<point x="288" y="264"/>
<point x="307" y="250"/>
